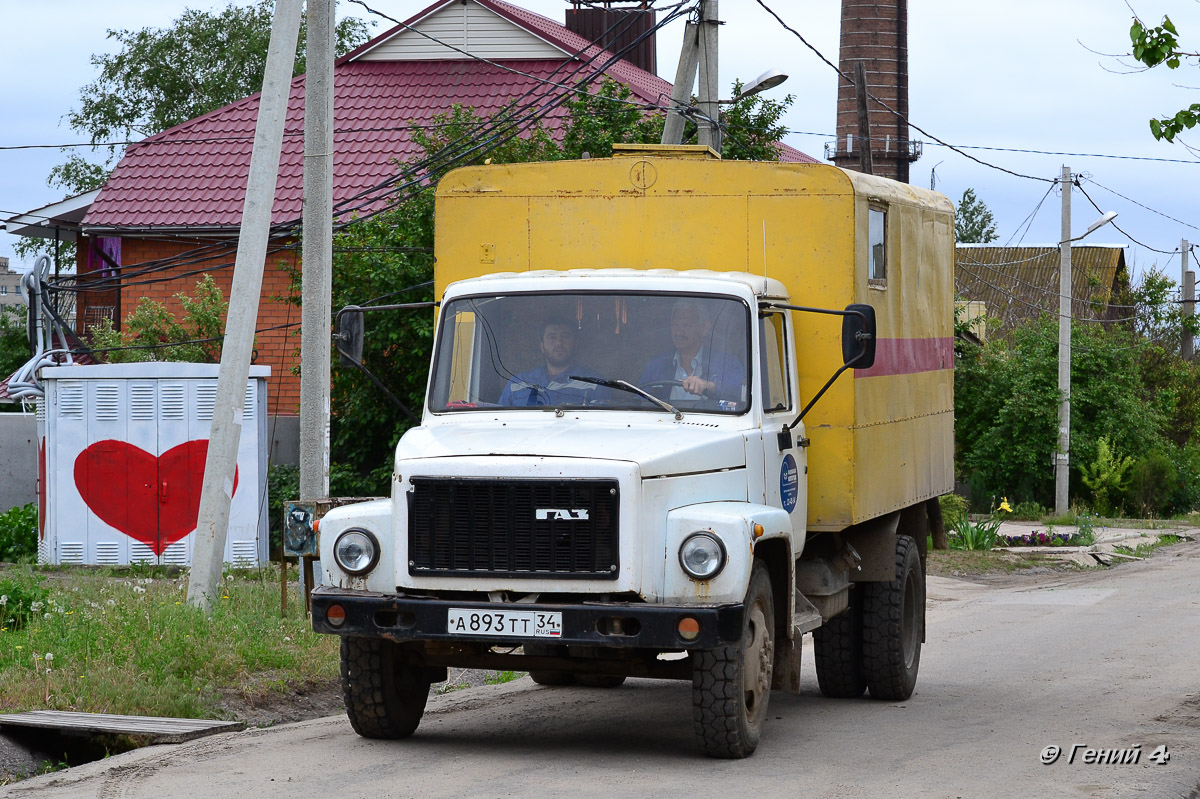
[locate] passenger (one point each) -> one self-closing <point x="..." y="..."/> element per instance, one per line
<point x="550" y="383"/>
<point x="701" y="371"/>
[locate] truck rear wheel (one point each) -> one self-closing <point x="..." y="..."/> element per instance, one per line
<point x="837" y="652"/>
<point x="731" y="685"/>
<point x="385" y="697"/>
<point x="552" y="678"/>
<point x="892" y="626"/>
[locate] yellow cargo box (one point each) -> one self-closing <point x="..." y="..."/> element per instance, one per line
<point x="881" y="440"/>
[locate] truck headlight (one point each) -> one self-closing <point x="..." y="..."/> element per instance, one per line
<point x="356" y="551"/>
<point x="702" y="555"/>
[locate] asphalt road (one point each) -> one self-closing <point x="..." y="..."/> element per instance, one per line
<point x="1100" y="660"/>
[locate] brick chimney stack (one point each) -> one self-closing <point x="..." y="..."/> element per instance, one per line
<point x="617" y="28"/>
<point x="875" y="33"/>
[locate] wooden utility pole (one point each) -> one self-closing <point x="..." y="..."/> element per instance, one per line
<point x="212" y="523"/>
<point x="1187" y="293"/>
<point x="866" y="162"/>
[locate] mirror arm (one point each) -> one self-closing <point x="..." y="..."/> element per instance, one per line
<point x="785" y="435"/>
<point x="340" y="337"/>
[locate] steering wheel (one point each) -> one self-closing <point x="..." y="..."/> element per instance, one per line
<point x="663" y="383"/>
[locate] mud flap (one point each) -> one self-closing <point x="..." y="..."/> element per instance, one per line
<point x="786" y="676"/>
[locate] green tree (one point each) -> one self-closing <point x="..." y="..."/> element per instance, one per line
<point x="973" y="222"/>
<point x="1157" y="45"/>
<point x="1006" y="406"/>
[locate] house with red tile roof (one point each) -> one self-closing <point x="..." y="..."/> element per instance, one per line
<point x="173" y="204"/>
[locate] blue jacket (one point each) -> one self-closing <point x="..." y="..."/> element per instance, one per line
<point x="536" y="387"/>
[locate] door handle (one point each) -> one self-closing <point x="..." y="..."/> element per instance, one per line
<point x="162" y="494"/>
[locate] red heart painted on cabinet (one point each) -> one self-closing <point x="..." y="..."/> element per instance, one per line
<point x="151" y="499"/>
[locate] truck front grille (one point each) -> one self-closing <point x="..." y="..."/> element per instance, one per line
<point x="513" y="528"/>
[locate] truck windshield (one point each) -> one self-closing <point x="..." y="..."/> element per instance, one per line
<point x="593" y="350"/>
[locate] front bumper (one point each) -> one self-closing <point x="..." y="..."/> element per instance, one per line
<point x="609" y="624"/>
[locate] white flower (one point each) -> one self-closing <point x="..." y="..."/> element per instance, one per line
<point x="137" y="589"/>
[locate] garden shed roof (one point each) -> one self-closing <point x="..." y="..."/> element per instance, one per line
<point x="1021" y="283"/>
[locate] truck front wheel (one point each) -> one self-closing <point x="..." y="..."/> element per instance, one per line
<point x="731" y="685"/>
<point x="385" y="697"/>
<point x="892" y="626"/>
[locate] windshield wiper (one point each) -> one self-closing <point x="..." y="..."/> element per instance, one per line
<point x="625" y="385"/>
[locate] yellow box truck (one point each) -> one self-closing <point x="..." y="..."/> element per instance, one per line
<point x="636" y="456"/>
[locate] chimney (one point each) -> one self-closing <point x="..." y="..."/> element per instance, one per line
<point x="617" y="28"/>
<point x="875" y="34"/>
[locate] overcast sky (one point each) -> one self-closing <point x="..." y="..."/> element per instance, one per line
<point x="1021" y="74"/>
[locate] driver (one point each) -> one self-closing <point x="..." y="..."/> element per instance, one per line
<point x="702" y="373"/>
<point x="550" y="383"/>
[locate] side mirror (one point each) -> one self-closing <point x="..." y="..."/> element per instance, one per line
<point x="350" y="335"/>
<point x="858" y="336"/>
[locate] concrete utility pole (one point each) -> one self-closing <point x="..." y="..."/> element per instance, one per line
<point x="685" y="79"/>
<point x="1187" y="287"/>
<point x="710" y="128"/>
<point x="317" y="272"/>
<point x="1062" y="458"/>
<point x="213" y="519"/>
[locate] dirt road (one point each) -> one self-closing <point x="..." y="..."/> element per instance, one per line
<point x="1101" y="660"/>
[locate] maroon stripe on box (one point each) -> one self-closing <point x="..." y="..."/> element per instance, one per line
<point x="906" y="356"/>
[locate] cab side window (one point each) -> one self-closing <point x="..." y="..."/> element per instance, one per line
<point x="776" y="382"/>
<point x="877" y="244"/>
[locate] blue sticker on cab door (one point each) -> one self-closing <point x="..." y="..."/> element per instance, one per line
<point x="789" y="483"/>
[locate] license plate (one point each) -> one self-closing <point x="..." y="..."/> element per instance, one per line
<point x="509" y="623"/>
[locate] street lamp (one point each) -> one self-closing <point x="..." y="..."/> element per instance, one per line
<point x="768" y="80"/>
<point x="1062" y="458"/>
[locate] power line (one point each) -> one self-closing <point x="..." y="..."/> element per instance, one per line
<point x="1140" y="205"/>
<point x="1028" y="221"/>
<point x="888" y="108"/>
<point x="1114" y="224"/>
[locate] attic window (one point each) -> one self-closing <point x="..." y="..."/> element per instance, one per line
<point x="877" y="245"/>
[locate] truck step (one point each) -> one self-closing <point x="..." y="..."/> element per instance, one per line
<point x="807" y="617"/>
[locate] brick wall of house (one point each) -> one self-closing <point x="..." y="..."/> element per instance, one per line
<point x="277" y="348"/>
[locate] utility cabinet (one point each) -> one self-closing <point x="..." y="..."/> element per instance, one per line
<point x="121" y="460"/>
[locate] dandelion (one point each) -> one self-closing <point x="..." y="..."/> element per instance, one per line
<point x="46" y="616"/>
<point x="111" y="603"/>
<point x="3" y="600"/>
<point x="137" y="589"/>
<point x="36" y="607"/>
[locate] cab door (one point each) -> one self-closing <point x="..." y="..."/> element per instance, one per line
<point x="785" y="471"/>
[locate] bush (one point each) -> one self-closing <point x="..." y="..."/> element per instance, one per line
<point x="954" y="510"/>
<point x="19" y="534"/>
<point x="1028" y="512"/>
<point x="1152" y="483"/>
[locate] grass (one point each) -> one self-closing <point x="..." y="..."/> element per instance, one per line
<point x="107" y="641"/>
<point x="501" y="677"/>
<point x="1144" y="550"/>
<point x="967" y="562"/>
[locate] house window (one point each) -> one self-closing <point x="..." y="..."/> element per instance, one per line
<point x="3" y="289"/>
<point x="776" y="383"/>
<point x="877" y="243"/>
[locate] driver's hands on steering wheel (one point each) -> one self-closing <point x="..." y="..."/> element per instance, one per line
<point x="694" y="384"/>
